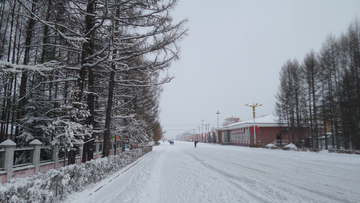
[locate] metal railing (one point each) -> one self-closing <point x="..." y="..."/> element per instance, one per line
<point x="22" y="157"/>
<point x="46" y="154"/>
<point x="2" y="159"/>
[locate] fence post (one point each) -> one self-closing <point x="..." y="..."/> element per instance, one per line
<point x="36" y="154"/>
<point x="55" y="155"/>
<point x="9" y="146"/>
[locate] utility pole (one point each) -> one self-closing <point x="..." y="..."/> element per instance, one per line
<point x="205" y="131"/>
<point x="202" y="129"/>
<point x="208" y="131"/>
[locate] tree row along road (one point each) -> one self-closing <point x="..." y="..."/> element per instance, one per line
<point x="214" y="173"/>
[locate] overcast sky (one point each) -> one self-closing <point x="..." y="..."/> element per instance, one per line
<point x="234" y="52"/>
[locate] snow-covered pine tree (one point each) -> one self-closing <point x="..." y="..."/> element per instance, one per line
<point x="112" y="52"/>
<point x="71" y="130"/>
<point x="144" y="43"/>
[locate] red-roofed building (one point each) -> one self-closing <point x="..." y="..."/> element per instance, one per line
<point x="267" y="130"/>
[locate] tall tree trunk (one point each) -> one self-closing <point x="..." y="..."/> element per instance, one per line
<point x="46" y="33"/>
<point x="8" y="106"/>
<point x="106" y="147"/>
<point x="325" y="125"/>
<point x="87" y="51"/>
<point x="315" y="114"/>
<point x="3" y="113"/>
<point x="4" y="37"/>
<point x="24" y="75"/>
<point x="311" y="118"/>
<point x="11" y="30"/>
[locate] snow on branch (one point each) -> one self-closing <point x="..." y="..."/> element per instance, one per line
<point x="71" y="130"/>
<point x="8" y="67"/>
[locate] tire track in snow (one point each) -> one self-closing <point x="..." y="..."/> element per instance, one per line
<point x="289" y="189"/>
<point x="288" y="179"/>
<point x="186" y="180"/>
<point x="228" y="178"/>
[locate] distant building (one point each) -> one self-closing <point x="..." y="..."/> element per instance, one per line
<point x="230" y="120"/>
<point x="236" y="132"/>
<point x="267" y="129"/>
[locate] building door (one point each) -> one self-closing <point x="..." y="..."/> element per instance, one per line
<point x="227" y="136"/>
<point x="279" y="139"/>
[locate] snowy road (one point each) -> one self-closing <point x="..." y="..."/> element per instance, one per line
<point x="213" y="173"/>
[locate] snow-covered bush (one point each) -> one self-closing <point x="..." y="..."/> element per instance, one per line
<point x="271" y="146"/>
<point x="56" y="184"/>
<point x="290" y="146"/>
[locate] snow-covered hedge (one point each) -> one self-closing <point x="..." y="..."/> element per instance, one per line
<point x="271" y="146"/>
<point x="56" y="184"/>
<point x="290" y="146"/>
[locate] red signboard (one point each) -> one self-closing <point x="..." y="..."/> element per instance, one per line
<point x="252" y="129"/>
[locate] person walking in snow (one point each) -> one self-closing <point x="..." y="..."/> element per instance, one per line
<point x="195" y="143"/>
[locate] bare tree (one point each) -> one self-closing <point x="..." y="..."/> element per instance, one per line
<point x="311" y="75"/>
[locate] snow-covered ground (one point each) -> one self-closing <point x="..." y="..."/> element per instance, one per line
<point x="213" y="173"/>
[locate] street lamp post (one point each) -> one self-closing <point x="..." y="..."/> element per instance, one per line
<point x="217" y="118"/>
<point x="208" y="130"/>
<point x="197" y="136"/>
<point x="202" y="129"/>
<point x="253" y="107"/>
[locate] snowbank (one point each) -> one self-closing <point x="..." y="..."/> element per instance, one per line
<point x="57" y="184"/>
<point x="290" y="146"/>
<point x="271" y="146"/>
